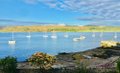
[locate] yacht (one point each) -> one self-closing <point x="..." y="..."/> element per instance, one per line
<point x="28" y="36"/>
<point x="12" y="42"/>
<point x="115" y="35"/>
<point x="93" y="35"/>
<point x="101" y="34"/>
<point x="66" y="35"/>
<point x="54" y="36"/>
<point x="45" y="35"/>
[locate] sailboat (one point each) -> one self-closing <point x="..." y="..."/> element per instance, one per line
<point x="28" y="36"/>
<point x="45" y="35"/>
<point x="66" y="35"/>
<point x="115" y="35"/>
<point x="54" y="36"/>
<point x="101" y="34"/>
<point x="93" y="35"/>
<point x="12" y="42"/>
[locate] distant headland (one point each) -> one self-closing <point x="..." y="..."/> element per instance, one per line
<point x="60" y="28"/>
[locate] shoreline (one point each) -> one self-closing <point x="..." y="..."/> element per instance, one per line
<point x="60" y="29"/>
<point x="70" y="60"/>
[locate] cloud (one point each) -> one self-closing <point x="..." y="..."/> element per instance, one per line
<point x="99" y="9"/>
<point x="99" y="12"/>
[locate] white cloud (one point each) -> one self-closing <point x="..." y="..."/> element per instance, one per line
<point x="98" y="9"/>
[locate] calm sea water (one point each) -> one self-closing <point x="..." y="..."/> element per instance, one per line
<point x="25" y="47"/>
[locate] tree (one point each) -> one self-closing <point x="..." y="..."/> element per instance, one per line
<point x="118" y="65"/>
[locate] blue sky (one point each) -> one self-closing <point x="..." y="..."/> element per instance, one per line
<point x="61" y="11"/>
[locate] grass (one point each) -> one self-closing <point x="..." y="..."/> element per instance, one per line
<point x="60" y="29"/>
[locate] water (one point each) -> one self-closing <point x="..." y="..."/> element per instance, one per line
<point x="25" y="47"/>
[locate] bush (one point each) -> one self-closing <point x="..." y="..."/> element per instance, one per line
<point x="8" y="65"/>
<point x="108" y="44"/>
<point x="118" y="65"/>
<point x="77" y="57"/>
<point x="42" y="60"/>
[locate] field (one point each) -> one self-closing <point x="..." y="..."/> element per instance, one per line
<point x="60" y="29"/>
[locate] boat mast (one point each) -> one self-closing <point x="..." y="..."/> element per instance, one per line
<point x="12" y="35"/>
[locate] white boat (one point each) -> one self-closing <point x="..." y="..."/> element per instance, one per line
<point x="79" y="39"/>
<point x="54" y="36"/>
<point x="76" y="39"/>
<point x="66" y="36"/>
<point x="45" y="36"/>
<point x="93" y="35"/>
<point x="82" y="37"/>
<point x="115" y="35"/>
<point x="28" y="36"/>
<point x="101" y="34"/>
<point x="12" y="42"/>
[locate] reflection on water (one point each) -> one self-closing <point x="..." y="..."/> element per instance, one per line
<point x="24" y="46"/>
<point x="12" y="46"/>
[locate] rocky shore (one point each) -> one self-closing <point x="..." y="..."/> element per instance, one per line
<point x="99" y="57"/>
<point x="93" y="58"/>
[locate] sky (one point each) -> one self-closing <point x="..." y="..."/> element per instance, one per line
<point x="73" y="12"/>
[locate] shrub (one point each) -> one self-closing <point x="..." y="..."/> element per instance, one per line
<point x="8" y="64"/>
<point x="118" y="65"/>
<point x="42" y="60"/>
<point x="108" y="44"/>
<point x="77" y="57"/>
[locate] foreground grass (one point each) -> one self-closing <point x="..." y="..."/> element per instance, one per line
<point x="60" y="29"/>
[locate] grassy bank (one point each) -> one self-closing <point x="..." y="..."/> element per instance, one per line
<point x="60" y="29"/>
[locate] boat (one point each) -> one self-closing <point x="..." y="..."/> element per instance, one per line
<point x="101" y="34"/>
<point x="12" y="42"/>
<point x="115" y="35"/>
<point x="45" y="36"/>
<point x="82" y="37"/>
<point x="54" y="36"/>
<point x="79" y="39"/>
<point x="66" y="36"/>
<point x="93" y="35"/>
<point x="28" y="36"/>
<point x="76" y="39"/>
